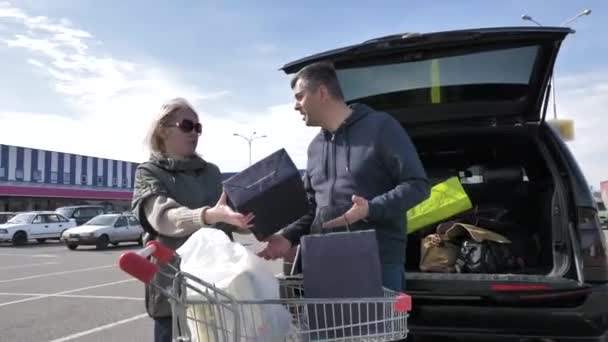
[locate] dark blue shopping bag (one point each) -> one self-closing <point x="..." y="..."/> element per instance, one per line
<point x="342" y="265"/>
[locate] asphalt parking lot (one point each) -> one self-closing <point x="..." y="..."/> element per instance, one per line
<point x="49" y="293"/>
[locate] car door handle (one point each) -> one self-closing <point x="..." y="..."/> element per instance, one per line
<point x="46" y="226"/>
<point x="60" y="225"/>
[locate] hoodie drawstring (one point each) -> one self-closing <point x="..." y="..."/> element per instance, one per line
<point x="347" y="144"/>
<point x="325" y="158"/>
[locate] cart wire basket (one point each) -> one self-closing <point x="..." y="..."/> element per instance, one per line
<point x="203" y="312"/>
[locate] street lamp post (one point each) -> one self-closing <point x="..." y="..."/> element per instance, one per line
<point x="250" y="140"/>
<point x="581" y="13"/>
<point x="529" y="18"/>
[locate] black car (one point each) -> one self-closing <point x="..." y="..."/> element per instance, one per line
<point x="474" y="102"/>
<point x="81" y="213"/>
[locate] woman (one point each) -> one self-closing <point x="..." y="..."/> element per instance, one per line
<point x="176" y="193"/>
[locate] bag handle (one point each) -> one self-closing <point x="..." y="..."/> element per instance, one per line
<point x="347" y="223"/>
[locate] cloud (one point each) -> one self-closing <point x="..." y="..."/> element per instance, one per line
<point x="584" y="98"/>
<point x="112" y="101"/>
<point x="35" y="62"/>
<point x="283" y="127"/>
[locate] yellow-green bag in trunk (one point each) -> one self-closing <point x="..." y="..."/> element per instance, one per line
<point x="447" y="199"/>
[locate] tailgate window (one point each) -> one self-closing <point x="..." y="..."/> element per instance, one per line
<point x="495" y="75"/>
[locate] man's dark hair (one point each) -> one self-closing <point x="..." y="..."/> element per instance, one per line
<point x="320" y="73"/>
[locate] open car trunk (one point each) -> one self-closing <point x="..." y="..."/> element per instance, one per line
<point x="474" y="103"/>
<point x="509" y="180"/>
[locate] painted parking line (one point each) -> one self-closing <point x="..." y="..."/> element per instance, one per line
<point x="75" y="296"/>
<point x="28" y="265"/>
<point x="56" y="273"/>
<point x="65" y="292"/>
<point x="101" y="328"/>
<point x="29" y="255"/>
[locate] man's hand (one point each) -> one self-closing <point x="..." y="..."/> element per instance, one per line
<point x="221" y="212"/>
<point x="278" y="247"/>
<point x="356" y="213"/>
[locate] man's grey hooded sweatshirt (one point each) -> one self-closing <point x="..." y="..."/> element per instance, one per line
<point x="369" y="155"/>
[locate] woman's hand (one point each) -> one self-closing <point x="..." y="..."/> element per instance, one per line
<point x="221" y="212"/>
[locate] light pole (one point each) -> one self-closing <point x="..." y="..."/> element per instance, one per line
<point x="250" y="140"/>
<point x="529" y="18"/>
<point x="581" y="13"/>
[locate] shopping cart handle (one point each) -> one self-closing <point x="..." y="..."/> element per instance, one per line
<point x="161" y="253"/>
<point x="137" y="266"/>
<point x="403" y="303"/>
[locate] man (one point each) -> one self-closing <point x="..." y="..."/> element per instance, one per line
<point x="363" y="172"/>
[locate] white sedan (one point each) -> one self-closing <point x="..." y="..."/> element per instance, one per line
<point x="39" y="225"/>
<point x="103" y="230"/>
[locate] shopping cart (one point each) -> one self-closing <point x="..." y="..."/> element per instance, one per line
<point x="203" y="312"/>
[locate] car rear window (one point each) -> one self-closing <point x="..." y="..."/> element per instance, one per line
<point x="102" y="220"/>
<point x="495" y="75"/>
<point x="22" y="218"/>
<point x="67" y="212"/>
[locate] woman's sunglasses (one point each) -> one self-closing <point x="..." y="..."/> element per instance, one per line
<point x="187" y="126"/>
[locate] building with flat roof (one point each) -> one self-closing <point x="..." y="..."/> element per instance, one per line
<point x="34" y="179"/>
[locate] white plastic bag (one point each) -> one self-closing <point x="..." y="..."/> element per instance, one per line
<point x="210" y="255"/>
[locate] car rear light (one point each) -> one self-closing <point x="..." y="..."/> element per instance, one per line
<point x="593" y="245"/>
<point x="519" y="287"/>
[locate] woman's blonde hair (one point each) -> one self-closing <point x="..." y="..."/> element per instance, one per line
<point x="154" y="140"/>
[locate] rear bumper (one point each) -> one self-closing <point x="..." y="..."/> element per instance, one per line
<point x="421" y="335"/>
<point x="80" y="241"/>
<point x="586" y="322"/>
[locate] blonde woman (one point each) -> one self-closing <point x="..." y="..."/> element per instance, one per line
<point x="176" y="193"/>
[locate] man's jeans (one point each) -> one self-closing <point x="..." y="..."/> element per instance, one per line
<point x="393" y="276"/>
<point x="163" y="329"/>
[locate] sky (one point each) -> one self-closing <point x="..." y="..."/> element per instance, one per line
<point x="87" y="77"/>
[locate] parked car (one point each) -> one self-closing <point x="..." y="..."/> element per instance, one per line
<point x="479" y="97"/>
<point x="602" y="212"/>
<point x="603" y="216"/>
<point x="5" y="216"/>
<point x="81" y="213"/>
<point x="103" y="230"/>
<point x="40" y="226"/>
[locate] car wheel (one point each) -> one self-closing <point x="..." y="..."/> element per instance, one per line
<point x="20" y="238"/>
<point x="41" y="240"/>
<point x="102" y="242"/>
<point x="72" y="247"/>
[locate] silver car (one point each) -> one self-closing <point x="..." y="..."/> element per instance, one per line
<point x="103" y="230"/>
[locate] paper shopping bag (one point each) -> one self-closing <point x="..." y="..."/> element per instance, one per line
<point x="342" y="265"/>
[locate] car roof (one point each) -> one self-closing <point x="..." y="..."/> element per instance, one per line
<point x="115" y="214"/>
<point x="82" y="206"/>
<point x="38" y="212"/>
